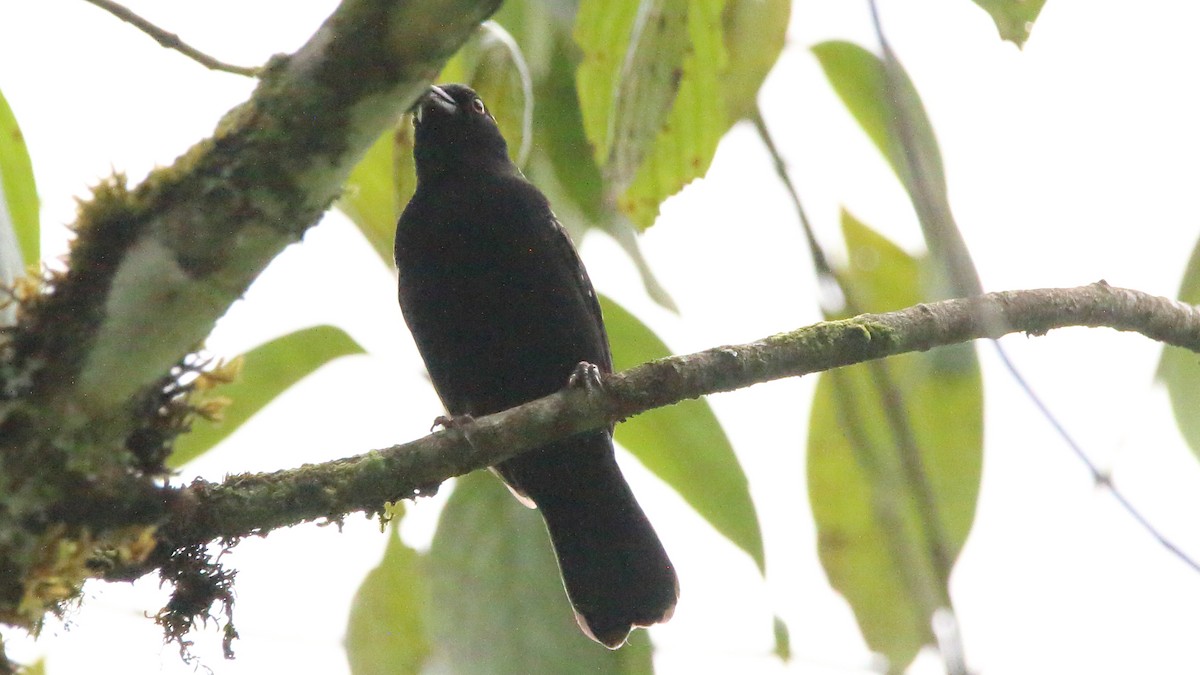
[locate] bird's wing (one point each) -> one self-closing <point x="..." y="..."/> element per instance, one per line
<point x="568" y="250"/>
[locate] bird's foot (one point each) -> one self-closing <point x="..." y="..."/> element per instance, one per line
<point x="451" y="422"/>
<point x="585" y="375"/>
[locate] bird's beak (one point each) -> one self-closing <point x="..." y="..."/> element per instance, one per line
<point x="435" y="97"/>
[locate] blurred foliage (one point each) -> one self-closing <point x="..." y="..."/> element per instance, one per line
<point x="1014" y="18"/>
<point x="497" y="604"/>
<point x="18" y="192"/>
<point x="895" y="448"/>
<point x="386" y="632"/>
<point x="1179" y="368"/>
<point x="878" y="541"/>
<point x="683" y="444"/>
<point x="884" y="101"/>
<point x="380" y="186"/>
<point x="754" y="32"/>
<point x="783" y="640"/>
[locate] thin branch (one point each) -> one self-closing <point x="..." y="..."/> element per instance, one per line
<point x="1101" y="479"/>
<point x="171" y="40"/>
<point x="820" y="260"/>
<point x="257" y="503"/>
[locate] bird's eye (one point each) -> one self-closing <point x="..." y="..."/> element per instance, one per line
<point x="478" y="105"/>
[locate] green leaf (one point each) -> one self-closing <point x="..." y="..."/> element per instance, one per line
<point x="685" y="139"/>
<point x="649" y="78"/>
<point x="380" y="186"/>
<point x="1179" y="368"/>
<point x="686" y="144"/>
<point x="19" y="197"/>
<point x="755" y="32"/>
<point x="267" y="371"/>
<point x="860" y="81"/>
<point x="783" y="641"/>
<point x="563" y="167"/>
<point x="684" y="444"/>
<point x="1014" y="18"/>
<point x="602" y="31"/>
<point x="559" y="134"/>
<point x="497" y="602"/>
<point x="882" y="98"/>
<point x="877" y="548"/>
<point x="386" y="631"/>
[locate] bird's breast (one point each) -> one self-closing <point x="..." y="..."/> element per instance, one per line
<point x="494" y="303"/>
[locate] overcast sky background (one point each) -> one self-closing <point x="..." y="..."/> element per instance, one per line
<point x="1073" y="160"/>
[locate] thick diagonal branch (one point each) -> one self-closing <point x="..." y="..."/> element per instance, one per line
<point x="154" y="267"/>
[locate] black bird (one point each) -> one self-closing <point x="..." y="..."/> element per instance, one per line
<point x="503" y="312"/>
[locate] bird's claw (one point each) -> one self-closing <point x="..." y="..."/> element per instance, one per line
<point x="585" y="375"/>
<point x="451" y="422"/>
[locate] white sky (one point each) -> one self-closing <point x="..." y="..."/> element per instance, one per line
<point x="1070" y="161"/>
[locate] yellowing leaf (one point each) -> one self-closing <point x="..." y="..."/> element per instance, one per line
<point x="686" y="137"/>
<point x="602" y="31"/>
<point x="649" y="79"/>
<point x="755" y="32"/>
<point x="686" y="144"/>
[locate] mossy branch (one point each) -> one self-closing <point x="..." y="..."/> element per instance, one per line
<point x="88" y="374"/>
<point x="167" y="258"/>
<point x="257" y="503"/>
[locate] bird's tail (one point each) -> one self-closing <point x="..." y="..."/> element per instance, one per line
<point x="614" y="567"/>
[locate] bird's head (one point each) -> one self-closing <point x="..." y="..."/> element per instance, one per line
<point x="455" y="132"/>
